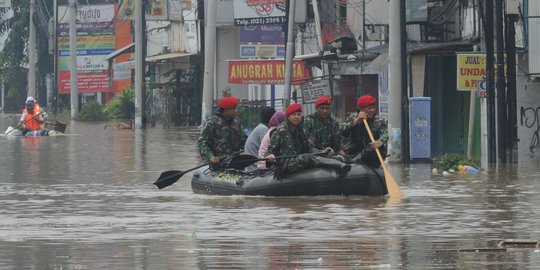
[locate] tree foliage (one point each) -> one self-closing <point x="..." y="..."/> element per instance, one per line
<point x="14" y="26"/>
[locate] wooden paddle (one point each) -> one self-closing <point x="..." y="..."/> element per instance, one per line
<point x="391" y="185"/>
<point x="170" y="177"/>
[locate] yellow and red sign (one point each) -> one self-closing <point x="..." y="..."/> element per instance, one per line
<point x="266" y="72"/>
<point x="471" y="69"/>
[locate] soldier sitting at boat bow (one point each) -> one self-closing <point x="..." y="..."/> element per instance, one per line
<point x="223" y="134"/>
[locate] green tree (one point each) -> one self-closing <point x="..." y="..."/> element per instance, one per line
<point x="14" y="56"/>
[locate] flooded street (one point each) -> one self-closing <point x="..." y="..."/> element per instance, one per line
<point x="86" y="201"/>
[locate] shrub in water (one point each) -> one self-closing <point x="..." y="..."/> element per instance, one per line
<point x="122" y="106"/>
<point x="91" y="111"/>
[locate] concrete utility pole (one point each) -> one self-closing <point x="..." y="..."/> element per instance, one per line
<point x="209" y="61"/>
<point x="73" y="58"/>
<point x="315" y="4"/>
<point x="511" y="85"/>
<point x="490" y="87"/>
<point x="32" y="52"/>
<point x="139" y="63"/>
<point x="502" y="117"/>
<point x="289" y="52"/>
<point x="394" y="81"/>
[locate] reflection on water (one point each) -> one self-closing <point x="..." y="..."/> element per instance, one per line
<point x="86" y="201"/>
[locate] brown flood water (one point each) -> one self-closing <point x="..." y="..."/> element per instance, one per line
<point x="86" y="201"/>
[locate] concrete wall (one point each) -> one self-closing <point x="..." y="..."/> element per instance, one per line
<point x="228" y="48"/>
<point x="528" y="114"/>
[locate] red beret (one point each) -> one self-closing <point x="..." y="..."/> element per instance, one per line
<point x="366" y="100"/>
<point x="323" y="100"/>
<point x="293" y="108"/>
<point x="228" y="102"/>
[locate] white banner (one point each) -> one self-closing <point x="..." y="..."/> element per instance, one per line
<point x="88" y="14"/>
<point x="246" y="14"/>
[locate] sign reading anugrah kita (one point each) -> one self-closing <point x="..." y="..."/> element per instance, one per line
<point x="266" y="72"/>
<point x="260" y="12"/>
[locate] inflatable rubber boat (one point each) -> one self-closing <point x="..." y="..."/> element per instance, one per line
<point x="361" y="180"/>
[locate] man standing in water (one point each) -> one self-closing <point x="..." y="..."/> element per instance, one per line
<point x="223" y="134"/>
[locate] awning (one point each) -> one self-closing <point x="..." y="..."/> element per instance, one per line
<point x="128" y="48"/>
<point x="167" y="56"/>
<point x="377" y="65"/>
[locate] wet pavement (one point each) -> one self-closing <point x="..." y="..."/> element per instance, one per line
<point x="86" y="201"/>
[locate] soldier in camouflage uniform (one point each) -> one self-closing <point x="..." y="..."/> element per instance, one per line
<point x="223" y="134"/>
<point x="360" y="147"/>
<point x="323" y="130"/>
<point x="289" y="139"/>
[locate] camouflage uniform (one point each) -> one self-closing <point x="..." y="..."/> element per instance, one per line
<point x="322" y="134"/>
<point x="288" y="140"/>
<point x="220" y="137"/>
<point x="358" y="139"/>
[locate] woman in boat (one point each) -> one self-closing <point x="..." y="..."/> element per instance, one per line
<point x="223" y="134"/>
<point x="32" y="118"/>
<point x="254" y="139"/>
<point x="289" y="140"/>
<point x="276" y="119"/>
<point x="360" y="147"/>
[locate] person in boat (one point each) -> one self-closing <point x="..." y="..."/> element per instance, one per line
<point x="254" y="139"/>
<point x="290" y="139"/>
<point x="323" y="130"/>
<point x="223" y="134"/>
<point x="32" y="118"/>
<point x="360" y="147"/>
<point x="276" y="119"/>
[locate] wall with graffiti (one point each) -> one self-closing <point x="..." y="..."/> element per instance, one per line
<point x="528" y="105"/>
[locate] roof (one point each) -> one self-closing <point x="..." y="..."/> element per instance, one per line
<point x="167" y="56"/>
<point x="423" y="47"/>
<point x="128" y="48"/>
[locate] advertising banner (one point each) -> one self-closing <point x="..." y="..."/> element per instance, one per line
<point x="266" y="72"/>
<point x="157" y="10"/>
<point x="268" y="34"/>
<point x="95" y="40"/>
<point x="471" y="69"/>
<point x="262" y="51"/>
<point x="269" y="12"/>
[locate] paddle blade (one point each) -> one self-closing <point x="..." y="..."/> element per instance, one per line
<point x="168" y="178"/>
<point x="60" y="127"/>
<point x="393" y="189"/>
<point x="240" y="162"/>
<point x="391" y="185"/>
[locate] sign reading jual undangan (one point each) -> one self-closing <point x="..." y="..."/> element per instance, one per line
<point x="266" y="72"/>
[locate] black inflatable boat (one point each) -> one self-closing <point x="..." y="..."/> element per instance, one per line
<point x="361" y="180"/>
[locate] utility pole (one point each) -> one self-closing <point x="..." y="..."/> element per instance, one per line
<point x="490" y="87"/>
<point x="209" y="61"/>
<point x="395" y="81"/>
<point x="55" y="58"/>
<point x="315" y="4"/>
<point x="511" y="84"/>
<point x="73" y="58"/>
<point x="502" y="118"/>
<point x="32" y="52"/>
<point x="289" y="52"/>
<point x="139" y="63"/>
